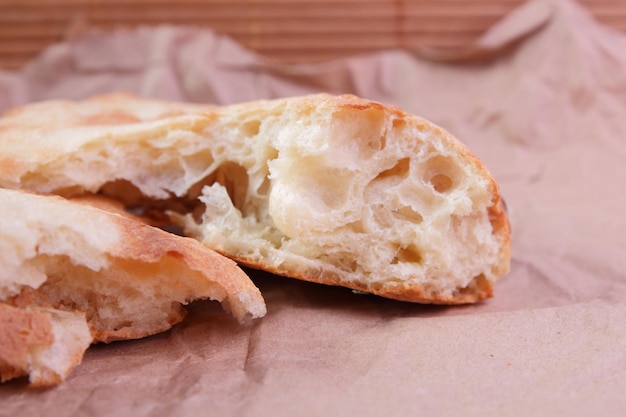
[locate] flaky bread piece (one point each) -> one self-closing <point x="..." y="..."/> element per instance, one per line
<point x="130" y="279"/>
<point x="42" y="343"/>
<point x="331" y="189"/>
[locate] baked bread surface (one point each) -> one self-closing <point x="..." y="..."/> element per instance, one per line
<point x="129" y="279"/>
<point x="331" y="189"/>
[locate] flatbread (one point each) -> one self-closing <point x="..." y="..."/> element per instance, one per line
<point x="331" y="189"/>
<point x="125" y="278"/>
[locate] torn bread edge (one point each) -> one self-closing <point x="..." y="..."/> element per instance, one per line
<point x="63" y="262"/>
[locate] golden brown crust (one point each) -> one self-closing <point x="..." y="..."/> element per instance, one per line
<point x="479" y="289"/>
<point x="502" y="229"/>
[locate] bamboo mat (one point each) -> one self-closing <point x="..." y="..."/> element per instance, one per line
<point x="287" y="30"/>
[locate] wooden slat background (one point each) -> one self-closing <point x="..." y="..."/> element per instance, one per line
<point x="287" y="30"/>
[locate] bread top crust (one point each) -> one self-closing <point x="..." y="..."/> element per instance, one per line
<point x="173" y="149"/>
<point x="50" y="132"/>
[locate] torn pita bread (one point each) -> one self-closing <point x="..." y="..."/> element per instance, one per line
<point x="331" y="189"/>
<point x="127" y="279"/>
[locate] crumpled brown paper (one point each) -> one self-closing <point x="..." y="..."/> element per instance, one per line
<point x="541" y="98"/>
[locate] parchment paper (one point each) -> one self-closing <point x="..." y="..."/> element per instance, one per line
<point x="541" y="98"/>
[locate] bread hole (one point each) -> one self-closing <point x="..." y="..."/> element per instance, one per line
<point x="441" y="183"/>
<point x="398" y="123"/>
<point x="126" y="192"/>
<point x="151" y="210"/>
<point x="410" y="254"/>
<point x="399" y="170"/>
<point x="381" y="216"/>
<point x="441" y="173"/>
<point x="482" y="283"/>
<point x="345" y="264"/>
<point x="122" y="325"/>
<point x="264" y="188"/>
<point x="341" y="260"/>
<point x="408" y="214"/>
<point x="197" y="162"/>
<point x="356" y="227"/>
<point x="234" y="178"/>
<point x="251" y="128"/>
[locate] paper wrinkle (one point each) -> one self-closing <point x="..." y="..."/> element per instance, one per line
<point x="540" y="98"/>
<point x="251" y="366"/>
<point x="500" y="38"/>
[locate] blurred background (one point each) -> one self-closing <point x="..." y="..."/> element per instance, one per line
<point x="290" y="31"/>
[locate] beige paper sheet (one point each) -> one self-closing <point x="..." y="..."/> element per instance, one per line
<point x="541" y="98"/>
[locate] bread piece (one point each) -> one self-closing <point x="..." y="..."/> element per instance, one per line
<point x="130" y="279"/>
<point x="44" y="344"/>
<point x="330" y="189"/>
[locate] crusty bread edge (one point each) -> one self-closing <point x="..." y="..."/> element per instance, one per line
<point x="478" y="289"/>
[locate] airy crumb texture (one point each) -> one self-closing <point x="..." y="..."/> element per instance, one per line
<point x="129" y="279"/>
<point x="41" y="343"/>
<point x="330" y="189"/>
